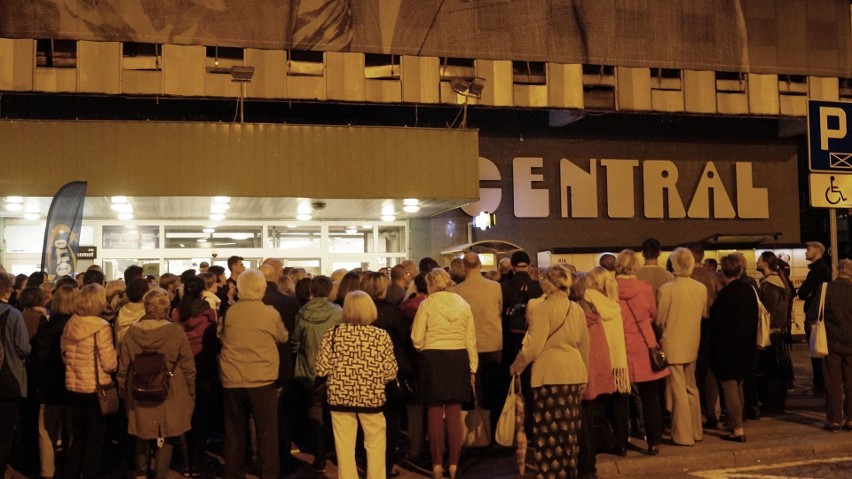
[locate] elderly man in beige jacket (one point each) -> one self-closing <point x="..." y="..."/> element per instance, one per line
<point x="485" y="298"/>
<point x="681" y="305"/>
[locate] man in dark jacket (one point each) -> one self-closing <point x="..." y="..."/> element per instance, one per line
<point x="517" y="292"/>
<point x="818" y="272"/>
<point x="287" y="307"/>
<point x="13" y="375"/>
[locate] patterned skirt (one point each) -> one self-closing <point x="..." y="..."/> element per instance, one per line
<point x="556" y="416"/>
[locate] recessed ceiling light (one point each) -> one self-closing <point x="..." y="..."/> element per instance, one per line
<point x="217" y="217"/>
<point x="388" y="217"/>
<point x="121" y="207"/>
<point x="221" y="199"/>
<point x="291" y="226"/>
<point x="411" y="202"/>
<point x="118" y="200"/>
<point x="367" y="226"/>
<point x="411" y="208"/>
<point x="202" y="240"/>
<point x="219" y="207"/>
<point x="14" y="199"/>
<point x="32" y="216"/>
<point x="125" y="216"/>
<point x="303" y="217"/>
<point x="208" y="230"/>
<point x="14" y="206"/>
<point x="351" y="230"/>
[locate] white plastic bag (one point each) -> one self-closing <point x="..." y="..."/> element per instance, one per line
<point x="818" y="347"/>
<point x="505" y="433"/>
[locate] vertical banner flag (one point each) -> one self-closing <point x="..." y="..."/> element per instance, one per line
<point x="62" y="232"/>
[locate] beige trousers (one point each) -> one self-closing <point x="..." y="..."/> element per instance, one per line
<point x="683" y="402"/>
<point x="345" y="426"/>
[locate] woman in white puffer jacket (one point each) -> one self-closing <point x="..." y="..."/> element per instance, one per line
<point x="85" y="335"/>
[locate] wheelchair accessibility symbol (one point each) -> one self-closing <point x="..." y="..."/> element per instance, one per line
<point x="833" y="194"/>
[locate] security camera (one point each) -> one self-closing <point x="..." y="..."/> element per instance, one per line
<point x="318" y="205"/>
<point x="214" y="255"/>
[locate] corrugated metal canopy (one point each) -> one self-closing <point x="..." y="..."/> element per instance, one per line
<point x="174" y="168"/>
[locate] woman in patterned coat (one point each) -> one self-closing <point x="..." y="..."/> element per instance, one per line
<point x="557" y="345"/>
<point x="358" y="360"/>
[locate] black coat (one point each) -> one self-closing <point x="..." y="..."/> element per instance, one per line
<point x="818" y="272"/>
<point x="391" y="319"/>
<point x="288" y="308"/>
<point x="733" y="331"/>
<point x="46" y="364"/>
<point x="838" y="316"/>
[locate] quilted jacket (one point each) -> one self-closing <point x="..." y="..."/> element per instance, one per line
<point x="78" y="352"/>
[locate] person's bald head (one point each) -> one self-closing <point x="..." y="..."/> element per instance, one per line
<point x="505" y="265"/>
<point x="277" y="265"/>
<point x="269" y="273"/>
<point x="471" y="261"/>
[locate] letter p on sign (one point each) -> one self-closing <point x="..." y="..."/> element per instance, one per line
<point x="825" y="132"/>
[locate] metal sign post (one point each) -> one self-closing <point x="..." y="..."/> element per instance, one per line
<point x="830" y="162"/>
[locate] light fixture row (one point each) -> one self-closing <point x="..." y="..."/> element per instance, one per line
<point x="16" y="203"/>
<point x="122" y="206"/>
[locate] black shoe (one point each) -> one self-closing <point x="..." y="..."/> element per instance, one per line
<point x="847" y="427"/>
<point x="733" y="438"/>
<point x="653" y="450"/>
<point x="711" y="424"/>
<point x="620" y="451"/>
<point x="832" y="427"/>
<point x="318" y="466"/>
<point x="393" y="473"/>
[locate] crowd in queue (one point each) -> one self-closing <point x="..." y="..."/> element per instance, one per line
<point x="266" y="358"/>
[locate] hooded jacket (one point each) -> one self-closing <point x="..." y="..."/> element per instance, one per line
<point x="638" y="311"/>
<point x="127" y="315"/>
<point x="315" y="318"/>
<point x="202" y="316"/>
<point x="170" y="418"/>
<point x="444" y="321"/>
<point x="78" y="352"/>
<point x="775" y="296"/>
<point x="16" y="344"/>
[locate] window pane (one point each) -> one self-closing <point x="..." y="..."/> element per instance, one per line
<point x="348" y="239"/>
<point x="392" y="239"/>
<point x="30" y="238"/>
<point x="131" y="237"/>
<point x="294" y="239"/>
<point x="219" y="237"/>
<point x="114" y="268"/>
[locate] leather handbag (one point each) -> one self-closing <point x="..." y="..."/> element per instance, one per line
<point x="107" y="393"/>
<point x="656" y="353"/>
<point x="764" y="324"/>
<point x="476" y="425"/>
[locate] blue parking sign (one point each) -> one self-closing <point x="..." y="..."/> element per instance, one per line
<point x="829" y="139"/>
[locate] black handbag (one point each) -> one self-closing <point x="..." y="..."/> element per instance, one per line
<point x="656" y="353"/>
<point x="107" y="393"/>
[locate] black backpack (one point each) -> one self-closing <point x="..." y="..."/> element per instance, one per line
<point x="516" y="314"/>
<point x="151" y="376"/>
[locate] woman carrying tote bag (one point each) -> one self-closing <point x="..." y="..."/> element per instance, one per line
<point x="90" y="358"/>
<point x="557" y="345"/>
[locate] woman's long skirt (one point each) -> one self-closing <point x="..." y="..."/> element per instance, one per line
<point x="556" y="415"/>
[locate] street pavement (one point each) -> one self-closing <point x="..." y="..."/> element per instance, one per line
<point x="792" y="445"/>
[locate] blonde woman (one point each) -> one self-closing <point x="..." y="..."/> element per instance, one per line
<point x="358" y="360"/>
<point x="87" y="336"/>
<point x="602" y="293"/>
<point x="557" y="346"/>
<point x="444" y="333"/>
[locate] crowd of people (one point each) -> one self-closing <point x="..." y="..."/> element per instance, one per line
<point x="262" y="359"/>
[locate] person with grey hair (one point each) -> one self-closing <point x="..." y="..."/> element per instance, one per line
<point x="155" y="425"/>
<point x="838" y="363"/>
<point x="557" y="346"/>
<point x="250" y="334"/>
<point x="682" y="304"/>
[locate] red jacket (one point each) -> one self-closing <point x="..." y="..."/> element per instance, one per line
<point x="637" y="297"/>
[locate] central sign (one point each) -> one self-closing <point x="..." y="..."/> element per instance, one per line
<point x="663" y="196"/>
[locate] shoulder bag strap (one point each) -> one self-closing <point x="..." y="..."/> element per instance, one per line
<point x="638" y="326"/>
<point x="821" y="314"/>
<point x="564" y="320"/>
<point x="97" y="369"/>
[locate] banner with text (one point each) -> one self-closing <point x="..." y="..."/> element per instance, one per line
<point x="62" y="232"/>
